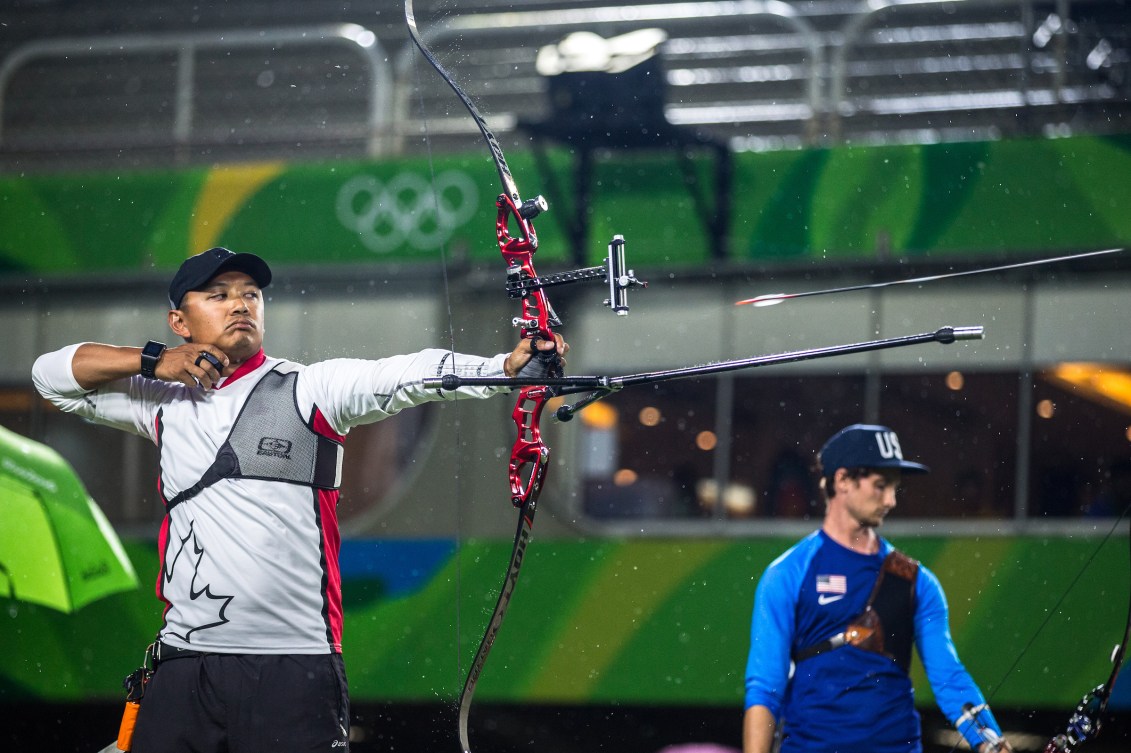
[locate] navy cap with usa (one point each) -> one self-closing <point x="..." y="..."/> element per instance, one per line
<point x="865" y="446"/>
<point x="196" y="271"/>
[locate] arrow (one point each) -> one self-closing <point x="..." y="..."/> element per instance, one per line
<point x="772" y="299"/>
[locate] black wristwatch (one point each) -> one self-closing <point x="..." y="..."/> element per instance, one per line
<point x="150" y="355"/>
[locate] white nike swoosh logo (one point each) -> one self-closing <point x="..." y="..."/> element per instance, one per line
<point x="824" y="599"/>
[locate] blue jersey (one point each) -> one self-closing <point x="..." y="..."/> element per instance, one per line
<point x="847" y="700"/>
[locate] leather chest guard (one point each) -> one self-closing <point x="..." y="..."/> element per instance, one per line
<point x="893" y="605"/>
<point x="887" y="624"/>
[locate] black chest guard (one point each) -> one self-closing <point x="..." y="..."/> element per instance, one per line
<point x="893" y="601"/>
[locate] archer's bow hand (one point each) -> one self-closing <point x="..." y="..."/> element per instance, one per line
<point x="537" y="358"/>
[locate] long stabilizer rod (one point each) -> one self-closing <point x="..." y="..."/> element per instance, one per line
<point x="604" y="385"/>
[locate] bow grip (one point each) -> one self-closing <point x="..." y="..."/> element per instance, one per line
<point x="527" y="467"/>
<point x="527" y="455"/>
<point x="542" y="363"/>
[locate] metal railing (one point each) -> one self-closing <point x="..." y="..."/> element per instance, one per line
<point x="186" y="46"/>
<point x="754" y="71"/>
<point x="672" y="17"/>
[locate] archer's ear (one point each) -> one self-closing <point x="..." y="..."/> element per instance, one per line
<point x="178" y="324"/>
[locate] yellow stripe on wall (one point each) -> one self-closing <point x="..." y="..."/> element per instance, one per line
<point x="225" y="191"/>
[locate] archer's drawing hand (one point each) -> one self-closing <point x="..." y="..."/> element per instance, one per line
<point x="192" y="364"/>
<point x="551" y="357"/>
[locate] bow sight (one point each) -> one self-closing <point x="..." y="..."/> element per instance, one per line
<point x="520" y="284"/>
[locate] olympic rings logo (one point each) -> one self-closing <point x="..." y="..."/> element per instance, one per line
<point x="406" y="210"/>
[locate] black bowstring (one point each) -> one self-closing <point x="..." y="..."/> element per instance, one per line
<point x="443" y="248"/>
<point x="1055" y="609"/>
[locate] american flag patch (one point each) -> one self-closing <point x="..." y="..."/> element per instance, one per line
<point x="832" y="584"/>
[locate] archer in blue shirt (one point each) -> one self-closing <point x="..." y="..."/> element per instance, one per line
<point x="835" y="619"/>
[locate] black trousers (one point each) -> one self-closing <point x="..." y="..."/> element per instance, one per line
<point x="245" y="703"/>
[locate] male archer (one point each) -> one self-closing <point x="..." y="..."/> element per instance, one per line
<point x="248" y="658"/>
<point x="836" y="618"/>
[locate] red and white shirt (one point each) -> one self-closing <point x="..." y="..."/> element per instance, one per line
<point x="251" y="565"/>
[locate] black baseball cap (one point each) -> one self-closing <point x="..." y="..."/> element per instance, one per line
<point x="865" y="446"/>
<point x="196" y="271"/>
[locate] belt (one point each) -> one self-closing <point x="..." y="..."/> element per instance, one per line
<point x="164" y="652"/>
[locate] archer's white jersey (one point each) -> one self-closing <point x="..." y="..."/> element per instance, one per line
<point x="249" y="565"/>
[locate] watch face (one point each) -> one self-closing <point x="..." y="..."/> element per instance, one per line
<point x="150" y="354"/>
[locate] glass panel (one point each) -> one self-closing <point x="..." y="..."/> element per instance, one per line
<point x="118" y="469"/>
<point x="379" y="463"/>
<point x="1081" y="441"/>
<point x="16" y="406"/>
<point x="647" y="452"/>
<point x="964" y="427"/>
<point x="653" y="454"/>
<point x="779" y="425"/>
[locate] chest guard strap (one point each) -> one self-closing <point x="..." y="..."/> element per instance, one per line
<point x="270" y="441"/>
<point x="887" y="624"/>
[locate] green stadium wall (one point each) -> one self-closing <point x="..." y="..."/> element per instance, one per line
<point x="628" y="621"/>
<point x="940" y="200"/>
